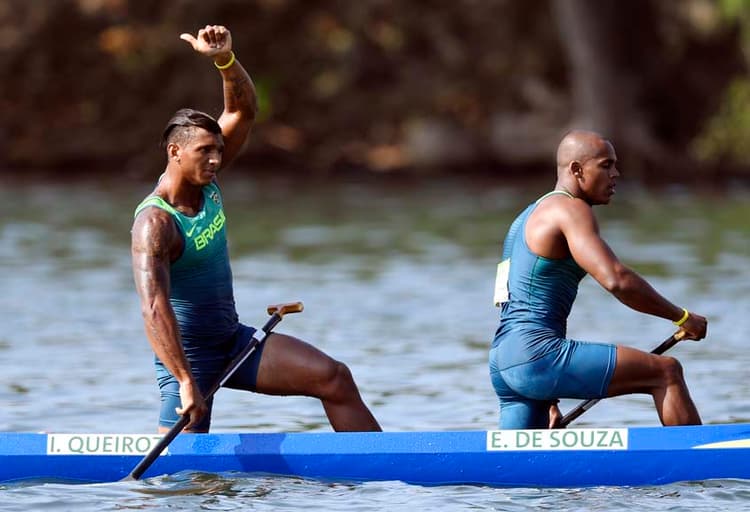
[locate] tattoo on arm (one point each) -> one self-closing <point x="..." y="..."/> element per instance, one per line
<point x="240" y="110"/>
<point x="150" y="251"/>
<point x="154" y="238"/>
<point x="239" y="94"/>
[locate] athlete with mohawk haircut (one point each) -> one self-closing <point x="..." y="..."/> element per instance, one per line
<point x="183" y="277"/>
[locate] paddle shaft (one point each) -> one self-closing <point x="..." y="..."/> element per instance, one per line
<point x="588" y="404"/>
<point x="277" y="313"/>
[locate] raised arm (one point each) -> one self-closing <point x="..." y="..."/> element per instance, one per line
<point x="154" y="235"/>
<point x="240" y="100"/>
<point x="593" y="254"/>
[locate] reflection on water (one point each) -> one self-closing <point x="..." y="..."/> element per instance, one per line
<point x="397" y="282"/>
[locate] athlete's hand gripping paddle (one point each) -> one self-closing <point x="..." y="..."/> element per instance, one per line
<point x="277" y="312"/>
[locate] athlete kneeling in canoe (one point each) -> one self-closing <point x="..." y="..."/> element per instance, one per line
<point x="549" y="248"/>
<point x="183" y="277"/>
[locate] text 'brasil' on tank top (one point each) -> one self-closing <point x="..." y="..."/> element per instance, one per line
<point x="540" y="291"/>
<point x="201" y="290"/>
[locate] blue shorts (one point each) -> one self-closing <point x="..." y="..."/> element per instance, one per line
<point x="573" y="369"/>
<point x="207" y="366"/>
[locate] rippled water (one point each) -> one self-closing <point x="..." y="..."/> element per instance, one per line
<point x="397" y="283"/>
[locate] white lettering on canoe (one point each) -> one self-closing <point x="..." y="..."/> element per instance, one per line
<point x="558" y="439"/>
<point x="101" y="444"/>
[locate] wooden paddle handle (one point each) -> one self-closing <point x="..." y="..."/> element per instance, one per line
<point x="284" y="308"/>
<point x="669" y="342"/>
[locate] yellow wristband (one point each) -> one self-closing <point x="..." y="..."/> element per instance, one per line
<point x="228" y="64"/>
<point x="683" y="319"/>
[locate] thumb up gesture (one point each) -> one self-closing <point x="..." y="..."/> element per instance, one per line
<point x="211" y="41"/>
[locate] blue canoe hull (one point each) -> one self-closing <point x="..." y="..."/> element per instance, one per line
<point x="562" y="458"/>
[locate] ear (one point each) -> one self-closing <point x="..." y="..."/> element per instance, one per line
<point x="576" y="169"/>
<point x="173" y="151"/>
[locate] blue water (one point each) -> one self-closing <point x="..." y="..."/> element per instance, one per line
<point x="396" y="283"/>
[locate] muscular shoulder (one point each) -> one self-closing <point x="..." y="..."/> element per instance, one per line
<point x="577" y="217"/>
<point x="154" y="232"/>
<point x="554" y="221"/>
<point x="564" y="209"/>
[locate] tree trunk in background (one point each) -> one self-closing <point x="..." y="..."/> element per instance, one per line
<point x="597" y="90"/>
<point x="601" y="40"/>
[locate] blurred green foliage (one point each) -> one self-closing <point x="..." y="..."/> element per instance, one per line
<point x="726" y="133"/>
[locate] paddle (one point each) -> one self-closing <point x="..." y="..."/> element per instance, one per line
<point x="588" y="404"/>
<point x="277" y="312"/>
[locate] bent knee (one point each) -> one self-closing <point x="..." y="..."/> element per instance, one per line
<point x="671" y="370"/>
<point x="336" y="382"/>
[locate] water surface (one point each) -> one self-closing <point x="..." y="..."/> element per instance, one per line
<point x="397" y="282"/>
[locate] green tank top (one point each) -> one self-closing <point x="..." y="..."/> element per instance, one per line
<point x="201" y="291"/>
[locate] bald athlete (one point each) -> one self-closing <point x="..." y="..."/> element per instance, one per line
<point x="549" y="248"/>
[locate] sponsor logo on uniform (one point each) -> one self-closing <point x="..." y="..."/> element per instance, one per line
<point x="205" y="237"/>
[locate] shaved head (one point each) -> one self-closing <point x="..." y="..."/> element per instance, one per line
<point x="587" y="166"/>
<point x="580" y="145"/>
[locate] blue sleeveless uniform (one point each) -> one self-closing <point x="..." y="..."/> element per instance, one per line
<point x="202" y="297"/>
<point x="531" y="360"/>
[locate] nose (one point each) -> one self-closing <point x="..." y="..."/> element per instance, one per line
<point x="615" y="172"/>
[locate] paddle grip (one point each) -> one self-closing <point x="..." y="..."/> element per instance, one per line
<point x="284" y="308"/>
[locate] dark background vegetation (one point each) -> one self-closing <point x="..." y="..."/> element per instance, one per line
<point x="383" y="87"/>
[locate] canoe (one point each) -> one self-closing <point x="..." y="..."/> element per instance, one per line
<point x="577" y="457"/>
